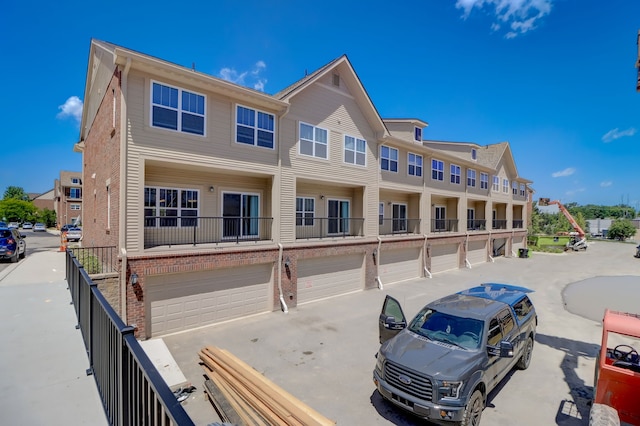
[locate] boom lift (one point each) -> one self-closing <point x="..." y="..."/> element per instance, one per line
<point x="579" y="238"/>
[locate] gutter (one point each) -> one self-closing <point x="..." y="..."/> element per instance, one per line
<point x="467" y="264"/>
<point x="376" y="255"/>
<point x="427" y="273"/>
<point x="283" y="305"/>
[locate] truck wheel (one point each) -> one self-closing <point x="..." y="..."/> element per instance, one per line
<point x="525" y="359"/>
<point x="603" y="415"/>
<point x="473" y="410"/>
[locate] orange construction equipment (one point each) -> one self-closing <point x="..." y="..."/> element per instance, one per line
<point x="63" y="241"/>
<point x="580" y="242"/>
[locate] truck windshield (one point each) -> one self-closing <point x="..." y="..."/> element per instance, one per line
<point x="463" y="332"/>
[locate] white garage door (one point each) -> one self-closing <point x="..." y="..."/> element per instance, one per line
<point x="477" y="252"/>
<point x="329" y="276"/>
<point x="183" y="301"/>
<point x="400" y="265"/>
<point x="444" y="257"/>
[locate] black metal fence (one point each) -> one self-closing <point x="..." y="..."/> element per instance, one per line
<point x="444" y="225"/>
<point x="499" y="224"/>
<point x="328" y="227"/>
<point x="389" y="226"/>
<point x="476" y="224"/>
<point x="131" y="388"/>
<point x="181" y="230"/>
<point x="97" y="260"/>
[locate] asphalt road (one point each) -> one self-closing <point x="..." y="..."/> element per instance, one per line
<point x="36" y="241"/>
<point x="323" y="352"/>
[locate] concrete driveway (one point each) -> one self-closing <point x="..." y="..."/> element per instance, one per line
<point x="323" y="352"/>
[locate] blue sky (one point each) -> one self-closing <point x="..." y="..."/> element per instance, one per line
<point x="554" y="78"/>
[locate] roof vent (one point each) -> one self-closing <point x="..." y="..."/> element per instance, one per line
<point x="336" y="80"/>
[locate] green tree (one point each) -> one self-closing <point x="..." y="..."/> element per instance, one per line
<point x="621" y="229"/>
<point x="15" y="192"/>
<point x="13" y="210"/>
<point x="46" y="216"/>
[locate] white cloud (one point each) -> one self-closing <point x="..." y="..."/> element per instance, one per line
<point x="520" y="15"/>
<point x="606" y="183"/>
<point x="257" y="82"/>
<point x="71" y="108"/>
<point x="575" y="191"/>
<point x="566" y="172"/>
<point x="616" y="133"/>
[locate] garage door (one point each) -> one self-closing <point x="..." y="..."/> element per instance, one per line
<point x="184" y="301"/>
<point x="400" y="265"/>
<point x="329" y="276"/>
<point x="444" y="257"/>
<point x="477" y="252"/>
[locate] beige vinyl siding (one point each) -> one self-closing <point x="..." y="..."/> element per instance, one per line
<point x="402" y="180"/>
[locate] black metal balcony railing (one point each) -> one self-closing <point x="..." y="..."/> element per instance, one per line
<point x="181" y="230"/>
<point x="328" y="227"/>
<point x="476" y="224"/>
<point x="97" y="260"/>
<point x="518" y="224"/>
<point x="499" y="224"/>
<point x="444" y="225"/>
<point x="399" y="226"/>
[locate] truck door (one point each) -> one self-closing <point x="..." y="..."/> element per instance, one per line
<point x="392" y="320"/>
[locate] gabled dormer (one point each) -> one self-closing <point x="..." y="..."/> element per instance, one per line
<point x="408" y="129"/>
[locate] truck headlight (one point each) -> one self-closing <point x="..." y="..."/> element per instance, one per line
<point x="379" y="362"/>
<point x="449" y="389"/>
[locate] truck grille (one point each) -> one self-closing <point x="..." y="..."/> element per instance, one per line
<point x="419" y="386"/>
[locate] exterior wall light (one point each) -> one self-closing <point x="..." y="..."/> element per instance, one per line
<point x="134" y="279"/>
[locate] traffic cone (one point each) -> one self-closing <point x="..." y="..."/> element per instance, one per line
<point x="63" y="241"/>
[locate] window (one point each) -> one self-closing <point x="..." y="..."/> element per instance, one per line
<point x="471" y="178"/>
<point x="305" y="211"/>
<point x="514" y="188"/>
<point x="506" y="320"/>
<point x="380" y="214"/>
<point x="336" y="80"/>
<point x="440" y="218"/>
<point x="495" y="333"/>
<point x="338" y="216"/>
<point x="313" y="141"/>
<point x="505" y="186"/>
<point x="75" y="206"/>
<point x="455" y="174"/>
<point x="389" y="159"/>
<point x="355" y="151"/>
<point x="399" y="217"/>
<point x="241" y="213"/>
<point x="415" y="165"/>
<point x="437" y="170"/>
<point x="417" y="134"/>
<point x="471" y="218"/>
<point x="177" y="109"/>
<point x="484" y="181"/>
<point x="522" y="308"/>
<point x="169" y="207"/>
<point x="474" y="154"/>
<point x="496" y="184"/>
<point x="522" y="190"/>
<point x="75" y="181"/>
<point x="75" y="193"/>
<point x="255" y="127"/>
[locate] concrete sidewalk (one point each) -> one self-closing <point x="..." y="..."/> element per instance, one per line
<point x="43" y="361"/>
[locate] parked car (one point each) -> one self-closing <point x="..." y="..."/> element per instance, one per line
<point x="39" y="227"/>
<point x="12" y="244"/>
<point x="13" y="225"/>
<point x="66" y="227"/>
<point x="74" y="234"/>
<point x="455" y="351"/>
<point x="27" y="225"/>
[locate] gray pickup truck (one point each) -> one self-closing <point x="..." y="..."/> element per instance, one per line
<point x="455" y="351"/>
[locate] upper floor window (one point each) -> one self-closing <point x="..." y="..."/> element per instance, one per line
<point x="484" y="181"/>
<point x="255" y="127"/>
<point x="505" y="186"/>
<point x="305" y="211"/>
<point x="313" y="141"/>
<point x="415" y="164"/>
<point x="389" y="159"/>
<point x="496" y="184"/>
<point x="455" y="174"/>
<point x="75" y="206"/>
<point x="75" y="193"/>
<point x="170" y="207"/>
<point x="471" y="178"/>
<point x="474" y="154"/>
<point x="75" y="181"/>
<point x="355" y="150"/>
<point x="417" y="134"/>
<point x="177" y="109"/>
<point x="437" y="170"/>
<point x="522" y="190"/>
<point x="514" y="188"/>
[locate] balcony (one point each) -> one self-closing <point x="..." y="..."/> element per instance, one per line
<point x="194" y="230"/>
<point x="328" y="227"/>
<point x="444" y="225"/>
<point x="476" y="224"/>
<point x="398" y="226"/>
<point x="518" y="224"/>
<point x="499" y="224"/>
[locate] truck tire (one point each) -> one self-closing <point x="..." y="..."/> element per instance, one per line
<point x="473" y="410"/>
<point x="525" y="359"/>
<point x="603" y="415"/>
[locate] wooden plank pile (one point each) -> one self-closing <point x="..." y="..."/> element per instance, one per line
<point x="243" y="396"/>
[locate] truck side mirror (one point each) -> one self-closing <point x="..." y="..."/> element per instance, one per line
<point x="506" y="349"/>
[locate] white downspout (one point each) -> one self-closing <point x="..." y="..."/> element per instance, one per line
<point x="466" y="251"/>
<point x="282" y="303"/>
<point x="513" y="253"/>
<point x="427" y="273"/>
<point x="123" y="284"/>
<point x="122" y="242"/>
<point x="378" y="280"/>
<point x="490" y="249"/>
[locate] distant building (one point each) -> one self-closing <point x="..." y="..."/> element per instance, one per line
<point x="44" y="200"/>
<point x="68" y="198"/>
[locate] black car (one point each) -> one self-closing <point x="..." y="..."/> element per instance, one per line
<point x="66" y="227"/>
<point x="12" y="244"/>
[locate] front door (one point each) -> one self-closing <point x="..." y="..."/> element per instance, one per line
<point x="338" y="216"/>
<point x="399" y="218"/>
<point x="440" y="216"/>
<point x="392" y="320"/>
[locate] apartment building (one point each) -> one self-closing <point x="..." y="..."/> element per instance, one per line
<point x="67" y="198"/>
<point x="223" y="201"/>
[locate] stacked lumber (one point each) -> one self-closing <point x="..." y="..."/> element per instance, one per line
<point x="250" y="398"/>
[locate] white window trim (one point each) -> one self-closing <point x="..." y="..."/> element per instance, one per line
<point x="505" y="186"/>
<point x="303" y="218"/>
<point x="485" y="181"/>
<point x="495" y="187"/>
<point x="415" y="166"/>
<point x="179" y="109"/>
<point x="471" y="178"/>
<point x="389" y="159"/>
<point x="315" y="142"/>
<point x="455" y="172"/>
<point x="255" y="127"/>
<point x="439" y="162"/>
<point x="355" y="150"/>
<point x="417" y="130"/>
<point x="179" y="208"/>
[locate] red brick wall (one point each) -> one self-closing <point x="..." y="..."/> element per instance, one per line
<point x="102" y="158"/>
